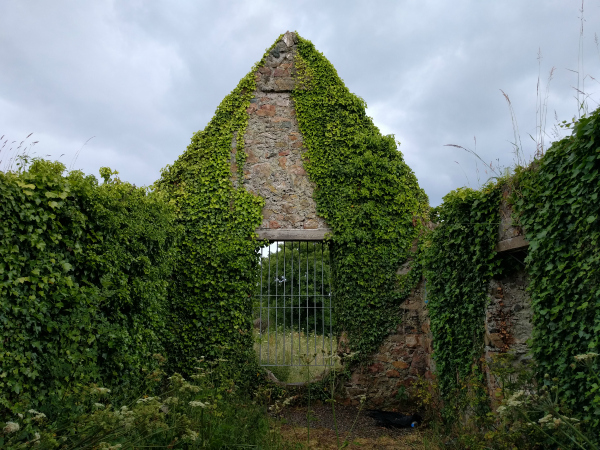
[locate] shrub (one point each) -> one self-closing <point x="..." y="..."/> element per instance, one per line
<point x="83" y="276"/>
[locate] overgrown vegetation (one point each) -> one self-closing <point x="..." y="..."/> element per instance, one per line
<point x="459" y="264"/>
<point x="207" y="411"/>
<point x="529" y="414"/>
<point x="217" y="257"/>
<point x="96" y="278"/>
<point x="556" y="201"/>
<point x="367" y="194"/>
<point x="83" y="277"/>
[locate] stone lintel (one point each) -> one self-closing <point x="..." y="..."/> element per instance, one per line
<point x="271" y="234"/>
<point x="516" y="243"/>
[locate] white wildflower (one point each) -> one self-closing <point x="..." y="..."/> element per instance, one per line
<point x="36" y="436"/>
<point x="101" y="390"/>
<point x="98" y="405"/>
<point x="189" y="387"/>
<point x="11" y="427"/>
<point x="545" y="419"/>
<point x="557" y="422"/>
<point x="107" y="446"/>
<point x="190" y="435"/>
<point x="195" y="404"/>
<point x="147" y="399"/>
<point x="171" y="401"/>
<point x="586" y="356"/>
<point x="362" y="398"/>
<point x="20" y="415"/>
<point x="37" y="416"/>
<point x="289" y="400"/>
<point x="501" y="410"/>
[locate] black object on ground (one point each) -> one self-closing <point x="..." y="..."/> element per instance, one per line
<point x="390" y="419"/>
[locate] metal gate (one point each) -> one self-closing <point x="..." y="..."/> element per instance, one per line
<point x="293" y="310"/>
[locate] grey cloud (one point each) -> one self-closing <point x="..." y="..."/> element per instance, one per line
<point x="142" y="76"/>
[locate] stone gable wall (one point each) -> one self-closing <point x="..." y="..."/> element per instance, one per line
<point x="274" y="167"/>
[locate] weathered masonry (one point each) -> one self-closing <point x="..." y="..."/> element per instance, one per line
<point x="274" y="167"/>
<point x="406" y="354"/>
<point x="274" y="170"/>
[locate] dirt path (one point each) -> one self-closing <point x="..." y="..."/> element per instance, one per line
<point x="358" y="428"/>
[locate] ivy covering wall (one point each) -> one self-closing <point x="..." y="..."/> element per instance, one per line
<point x="217" y="259"/>
<point x="83" y="277"/>
<point x="557" y="202"/>
<point x="367" y="194"/>
<point x="364" y="190"/>
<point x="459" y="263"/>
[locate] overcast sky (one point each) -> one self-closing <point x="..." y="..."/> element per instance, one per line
<point x="135" y="79"/>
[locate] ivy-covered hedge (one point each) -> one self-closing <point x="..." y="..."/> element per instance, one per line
<point x="557" y="203"/>
<point x="459" y="263"/>
<point x="367" y="194"/>
<point x="217" y="258"/>
<point x="83" y="276"/>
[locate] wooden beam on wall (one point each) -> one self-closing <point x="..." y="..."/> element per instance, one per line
<point x="516" y="243"/>
<point x="272" y="234"/>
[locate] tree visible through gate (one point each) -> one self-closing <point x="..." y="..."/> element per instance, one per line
<point x="293" y="305"/>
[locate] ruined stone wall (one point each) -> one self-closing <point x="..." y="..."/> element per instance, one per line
<point x="274" y="167"/>
<point x="404" y="356"/>
<point x="508" y="323"/>
<point x="274" y="170"/>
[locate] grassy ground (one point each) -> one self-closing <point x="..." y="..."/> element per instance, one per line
<point x="324" y="438"/>
<point x="294" y="356"/>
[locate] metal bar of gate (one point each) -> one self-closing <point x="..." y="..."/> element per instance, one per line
<point x="284" y="304"/>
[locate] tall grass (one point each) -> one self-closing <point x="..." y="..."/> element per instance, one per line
<point x="285" y="353"/>
<point x="171" y="412"/>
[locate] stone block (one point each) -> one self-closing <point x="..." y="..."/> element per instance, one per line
<point x="399" y="352"/>
<point x="266" y="111"/>
<point x="356" y="378"/>
<point x="297" y="170"/>
<point x="284" y="84"/>
<point x="376" y="368"/>
<point x="495" y="340"/>
<point x="281" y="72"/>
<point x="418" y="365"/>
<point x="311" y="224"/>
<point x="412" y="340"/>
<point x="261" y="170"/>
<point x="400" y="365"/>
